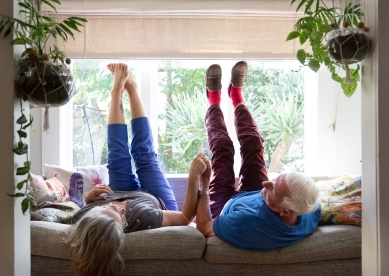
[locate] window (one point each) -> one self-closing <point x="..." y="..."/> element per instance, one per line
<point x="173" y="93"/>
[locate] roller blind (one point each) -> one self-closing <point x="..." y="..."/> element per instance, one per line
<point x="182" y="29"/>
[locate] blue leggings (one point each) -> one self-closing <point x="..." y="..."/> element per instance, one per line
<point x="149" y="174"/>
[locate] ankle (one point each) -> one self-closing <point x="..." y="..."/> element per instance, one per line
<point x="236" y="95"/>
<point x="214" y="97"/>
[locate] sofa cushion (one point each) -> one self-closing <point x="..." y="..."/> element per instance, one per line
<point x="173" y="242"/>
<point x="326" y="243"/>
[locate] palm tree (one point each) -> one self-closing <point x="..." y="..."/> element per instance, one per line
<point x="281" y="119"/>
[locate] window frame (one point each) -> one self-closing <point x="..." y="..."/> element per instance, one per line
<point x="326" y="152"/>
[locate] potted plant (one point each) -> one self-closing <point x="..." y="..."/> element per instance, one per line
<point x="337" y="38"/>
<point x="44" y="76"/>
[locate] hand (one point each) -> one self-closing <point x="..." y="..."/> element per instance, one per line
<point x="205" y="177"/>
<point x="197" y="167"/>
<point x="98" y="192"/>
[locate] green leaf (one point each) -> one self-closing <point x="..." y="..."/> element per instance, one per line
<point x="22" y="134"/>
<point x="314" y="65"/>
<point x="29" y="123"/>
<point x="349" y="88"/>
<point x="27" y="164"/>
<point x="79" y="19"/>
<point x="21" y="184"/>
<point x="51" y="5"/>
<point x="22" y="170"/>
<point x="336" y="77"/>
<point x="20" y="151"/>
<point x="292" y="35"/>
<point x="18" y="41"/>
<point x="16" y="195"/>
<point x="301" y="56"/>
<point x="325" y="28"/>
<point x="303" y="37"/>
<point x="316" y="36"/>
<point x="25" y="205"/>
<point x="22" y="120"/>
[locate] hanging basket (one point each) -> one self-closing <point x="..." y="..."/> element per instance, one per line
<point x="44" y="83"/>
<point x="348" y="45"/>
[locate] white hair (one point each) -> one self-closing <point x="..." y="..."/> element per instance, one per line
<point x="304" y="195"/>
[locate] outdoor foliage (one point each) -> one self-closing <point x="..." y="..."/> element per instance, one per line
<point x="275" y="97"/>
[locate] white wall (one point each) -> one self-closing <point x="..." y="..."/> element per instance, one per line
<point x="15" y="227"/>
<point x="375" y="137"/>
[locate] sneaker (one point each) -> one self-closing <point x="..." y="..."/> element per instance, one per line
<point x="213" y="78"/>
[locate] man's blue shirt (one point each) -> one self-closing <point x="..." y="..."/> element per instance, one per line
<point x="246" y="222"/>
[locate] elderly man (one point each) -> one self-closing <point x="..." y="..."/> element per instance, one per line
<point x="261" y="214"/>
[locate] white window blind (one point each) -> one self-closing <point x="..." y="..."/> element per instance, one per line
<point x="182" y="29"/>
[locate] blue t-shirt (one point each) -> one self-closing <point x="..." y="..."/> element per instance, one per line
<point x="246" y="222"/>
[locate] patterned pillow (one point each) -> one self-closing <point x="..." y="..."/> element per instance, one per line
<point x="341" y="200"/>
<point x="55" y="212"/>
<point x="48" y="190"/>
<point x="80" y="180"/>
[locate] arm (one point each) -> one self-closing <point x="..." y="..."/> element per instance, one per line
<point x="188" y="213"/>
<point x="97" y="193"/>
<point x="204" y="221"/>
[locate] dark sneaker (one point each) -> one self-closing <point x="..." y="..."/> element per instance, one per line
<point x="213" y="78"/>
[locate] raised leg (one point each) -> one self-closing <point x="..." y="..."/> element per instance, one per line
<point x="253" y="168"/>
<point x="121" y="176"/>
<point x="148" y="169"/>
<point x="222" y="186"/>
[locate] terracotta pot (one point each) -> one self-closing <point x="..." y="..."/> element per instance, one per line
<point x="348" y="45"/>
<point x="45" y="84"/>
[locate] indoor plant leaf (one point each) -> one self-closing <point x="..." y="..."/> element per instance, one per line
<point x="292" y="35"/>
<point x="301" y="56"/>
<point x="314" y="65"/>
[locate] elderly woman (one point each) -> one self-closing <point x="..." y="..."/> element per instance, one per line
<point x="130" y="202"/>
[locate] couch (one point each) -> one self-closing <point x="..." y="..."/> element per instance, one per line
<point x="182" y="250"/>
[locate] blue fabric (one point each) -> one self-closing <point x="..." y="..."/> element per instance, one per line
<point x="149" y="175"/>
<point x="246" y="222"/>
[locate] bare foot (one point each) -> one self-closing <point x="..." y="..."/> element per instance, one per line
<point x="130" y="82"/>
<point x="121" y="75"/>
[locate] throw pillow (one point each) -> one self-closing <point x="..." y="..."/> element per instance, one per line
<point x="341" y="200"/>
<point x="78" y="180"/>
<point x="55" y="212"/>
<point x="48" y="189"/>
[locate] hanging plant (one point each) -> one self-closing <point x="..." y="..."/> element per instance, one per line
<point x="337" y="38"/>
<point x="44" y="75"/>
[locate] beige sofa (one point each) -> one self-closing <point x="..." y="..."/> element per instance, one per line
<point x="182" y="250"/>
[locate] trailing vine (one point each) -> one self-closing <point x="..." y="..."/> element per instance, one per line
<point x="318" y="21"/>
<point x="21" y="148"/>
<point x="32" y="29"/>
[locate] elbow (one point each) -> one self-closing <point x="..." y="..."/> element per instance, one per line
<point x="206" y="229"/>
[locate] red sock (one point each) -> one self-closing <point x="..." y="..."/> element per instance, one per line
<point x="236" y="95"/>
<point x="214" y="97"/>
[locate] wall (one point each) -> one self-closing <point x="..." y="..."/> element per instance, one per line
<point x="15" y="227"/>
<point x="375" y="137"/>
<point x="332" y="144"/>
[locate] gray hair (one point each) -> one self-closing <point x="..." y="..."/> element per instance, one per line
<point x="95" y="241"/>
<point x="304" y="195"/>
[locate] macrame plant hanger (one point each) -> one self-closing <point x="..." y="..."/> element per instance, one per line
<point x="46" y="117"/>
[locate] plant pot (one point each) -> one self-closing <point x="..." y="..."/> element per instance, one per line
<point x="44" y="83"/>
<point x="348" y="45"/>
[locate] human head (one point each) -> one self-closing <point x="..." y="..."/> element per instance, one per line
<point x="291" y="194"/>
<point x="303" y="195"/>
<point x="95" y="241"/>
